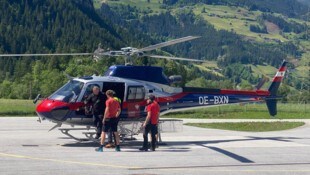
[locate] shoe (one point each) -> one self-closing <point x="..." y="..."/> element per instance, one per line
<point x="117" y="148"/>
<point x="143" y="149"/>
<point x="100" y="149"/>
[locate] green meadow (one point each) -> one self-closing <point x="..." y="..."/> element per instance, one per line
<point x="10" y="107"/>
<point x="250" y="126"/>
<point x="246" y="111"/>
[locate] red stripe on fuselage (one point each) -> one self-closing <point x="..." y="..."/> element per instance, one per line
<point x="171" y="98"/>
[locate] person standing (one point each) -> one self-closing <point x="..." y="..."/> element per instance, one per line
<point x="110" y="120"/>
<point x="111" y="139"/>
<point x="97" y="102"/>
<point x="150" y="123"/>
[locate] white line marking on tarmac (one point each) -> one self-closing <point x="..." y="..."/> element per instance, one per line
<point x="65" y="161"/>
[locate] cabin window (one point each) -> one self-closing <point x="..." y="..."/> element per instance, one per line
<point x="136" y="93"/>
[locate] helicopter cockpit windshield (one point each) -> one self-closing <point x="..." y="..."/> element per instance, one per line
<point x="69" y="92"/>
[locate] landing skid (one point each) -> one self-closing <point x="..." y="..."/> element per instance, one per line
<point x="127" y="131"/>
<point x="89" y="135"/>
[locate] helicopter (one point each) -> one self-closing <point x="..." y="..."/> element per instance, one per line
<point x="133" y="84"/>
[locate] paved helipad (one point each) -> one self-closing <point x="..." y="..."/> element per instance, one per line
<point x="26" y="147"/>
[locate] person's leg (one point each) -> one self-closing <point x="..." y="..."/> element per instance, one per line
<point x="116" y="120"/>
<point x="153" y="134"/>
<point x="99" y="128"/>
<point x="157" y="136"/>
<point x="98" y="120"/>
<point x="95" y="120"/>
<point x="145" y="137"/>
<point x="105" y="128"/>
<point x="116" y="135"/>
<point x="117" y="138"/>
<point x="102" y="138"/>
<point x="110" y="136"/>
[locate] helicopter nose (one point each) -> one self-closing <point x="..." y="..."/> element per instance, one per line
<point x="53" y="110"/>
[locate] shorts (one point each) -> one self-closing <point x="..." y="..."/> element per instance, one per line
<point x="110" y="125"/>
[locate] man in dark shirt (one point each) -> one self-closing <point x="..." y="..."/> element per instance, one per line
<point x="97" y="101"/>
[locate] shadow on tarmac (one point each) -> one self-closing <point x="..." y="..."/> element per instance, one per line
<point x="223" y="166"/>
<point x="184" y="146"/>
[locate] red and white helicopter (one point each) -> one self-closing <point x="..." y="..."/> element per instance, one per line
<point x="133" y="84"/>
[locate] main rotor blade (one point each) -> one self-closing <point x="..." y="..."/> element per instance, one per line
<point x="168" y="43"/>
<point x="176" y="58"/>
<point x="45" y="54"/>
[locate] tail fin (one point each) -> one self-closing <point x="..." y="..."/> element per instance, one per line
<point x="271" y="101"/>
<point x="277" y="79"/>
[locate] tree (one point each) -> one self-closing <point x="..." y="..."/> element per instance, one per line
<point x="203" y="10"/>
<point x="5" y="89"/>
<point x="198" y="82"/>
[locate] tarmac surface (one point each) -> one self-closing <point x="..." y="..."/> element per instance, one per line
<point x="26" y="147"/>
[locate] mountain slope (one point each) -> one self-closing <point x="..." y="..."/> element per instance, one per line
<point x="290" y="8"/>
<point x="275" y="36"/>
<point x="33" y="26"/>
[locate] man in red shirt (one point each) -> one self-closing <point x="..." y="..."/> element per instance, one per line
<point x="110" y="120"/>
<point x="150" y="123"/>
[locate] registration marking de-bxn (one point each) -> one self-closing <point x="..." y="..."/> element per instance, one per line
<point x="205" y="100"/>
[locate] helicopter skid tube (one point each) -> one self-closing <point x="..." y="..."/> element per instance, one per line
<point x="89" y="135"/>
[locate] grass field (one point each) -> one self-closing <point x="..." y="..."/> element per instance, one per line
<point x="248" y="111"/>
<point x="236" y="19"/>
<point x="250" y="126"/>
<point x="151" y="7"/>
<point x="268" y="71"/>
<point x="17" y="107"/>
<point x="209" y="66"/>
